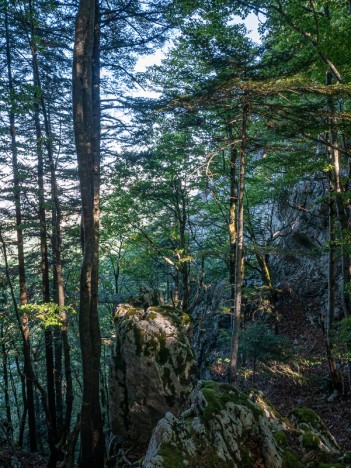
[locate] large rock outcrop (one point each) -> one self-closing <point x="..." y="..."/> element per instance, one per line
<point x="152" y="371"/>
<point x="226" y="428"/>
<point x="299" y="257"/>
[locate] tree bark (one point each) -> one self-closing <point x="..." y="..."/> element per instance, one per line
<point x="233" y="199"/>
<point x="49" y="355"/>
<point x="180" y="210"/>
<point x="61" y="422"/>
<point x="341" y="207"/>
<point x="86" y="112"/>
<point x="6" y="383"/>
<point x="185" y="266"/>
<point x="239" y="260"/>
<point x="24" y="324"/>
<point x="341" y="210"/>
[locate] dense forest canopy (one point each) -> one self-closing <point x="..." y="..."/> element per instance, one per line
<point x="177" y="181"/>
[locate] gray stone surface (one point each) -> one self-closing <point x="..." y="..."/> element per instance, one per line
<point x="299" y="260"/>
<point x="226" y="428"/>
<point x="152" y="371"/>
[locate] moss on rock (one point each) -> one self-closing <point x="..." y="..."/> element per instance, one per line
<point x="217" y="395"/>
<point x="281" y="438"/>
<point x="290" y="460"/>
<point x="172" y="457"/>
<point x="310" y="440"/>
<point x="179" y="317"/>
<point x="224" y="427"/>
<point x="153" y="370"/>
<point x="305" y="415"/>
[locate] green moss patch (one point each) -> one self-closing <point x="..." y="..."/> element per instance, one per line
<point x="217" y="395"/>
<point x="151" y="315"/>
<point x="281" y="439"/>
<point x="172" y="456"/>
<point x="306" y="415"/>
<point x="310" y="440"/>
<point x="290" y="460"/>
<point x="131" y="312"/>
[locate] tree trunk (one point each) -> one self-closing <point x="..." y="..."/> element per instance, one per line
<point x="267" y="280"/>
<point x="340" y="206"/>
<point x="49" y="355"/>
<point x="61" y="424"/>
<point x="341" y="209"/>
<point x="231" y="225"/>
<point x="183" y="251"/>
<point x="184" y="267"/>
<point x="175" y="289"/>
<point x="14" y="392"/>
<point x="239" y="260"/>
<point x="6" y="384"/>
<point x="334" y="376"/>
<point x="24" y="326"/>
<point x="86" y="112"/>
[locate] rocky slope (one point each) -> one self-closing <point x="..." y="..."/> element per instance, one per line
<point x="226" y="428"/>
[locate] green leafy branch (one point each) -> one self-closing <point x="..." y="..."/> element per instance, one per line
<point x="49" y="314"/>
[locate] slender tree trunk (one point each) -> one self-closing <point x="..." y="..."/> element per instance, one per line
<point x="184" y="249"/>
<point x="232" y="223"/>
<point x="340" y="206"/>
<point x="61" y="334"/>
<point x="22" y="419"/>
<point x="86" y="112"/>
<point x="117" y="268"/>
<point x="14" y="392"/>
<point x="334" y="376"/>
<point x="24" y="414"/>
<point x="331" y="264"/>
<point x="28" y="376"/>
<point x="62" y="422"/>
<point x="342" y="211"/>
<point x="181" y="220"/>
<point x="20" y="251"/>
<point x="175" y="289"/>
<point x="49" y="355"/>
<point x="116" y="272"/>
<point x="262" y="260"/>
<point x="5" y="369"/>
<point x="239" y="260"/>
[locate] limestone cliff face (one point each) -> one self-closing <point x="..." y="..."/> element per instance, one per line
<point x="152" y="371"/>
<point x="226" y="428"/>
<point x="299" y="224"/>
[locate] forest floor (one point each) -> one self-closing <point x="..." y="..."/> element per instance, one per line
<point x="303" y="381"/>
<point x="13" y="457"/>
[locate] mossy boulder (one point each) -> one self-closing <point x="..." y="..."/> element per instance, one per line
<point x="314" y="434"/>
<point x="152" y="371"/>
<point x="227" y="428"/>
